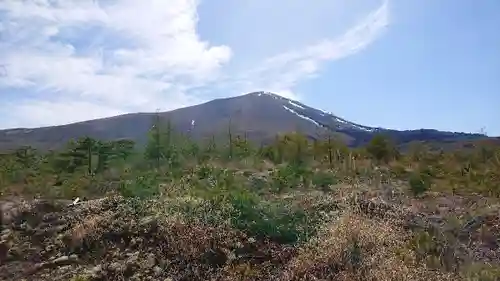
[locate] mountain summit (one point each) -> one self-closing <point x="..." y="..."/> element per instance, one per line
<point x="258" y="115"/>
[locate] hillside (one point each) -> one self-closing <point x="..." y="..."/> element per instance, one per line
<point x="260" y="116"/>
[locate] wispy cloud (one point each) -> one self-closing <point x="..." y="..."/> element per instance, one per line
<point x="282" y="72"/>
<point x="71" y="60"/>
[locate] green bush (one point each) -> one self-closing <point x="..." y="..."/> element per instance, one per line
<point x="324" y="179"/>
<point x="284" y="177"/>
<point x="144" y="186"/>
<point x="381" y="148"/>
<point x="290" y="176"/>
<point x="243" y="209"/>
<point x="275" y="221"/>
<point x="419" y="183"/>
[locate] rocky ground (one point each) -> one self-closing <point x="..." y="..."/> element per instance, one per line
<point x="105" y="239"/>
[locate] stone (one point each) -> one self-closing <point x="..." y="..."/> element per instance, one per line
<point x="61" y="259"/>
<point x="157" y="271"/>
<point x="150" y="261"/>
<point x="96" y="271"/>
<point x="116" y="267"/>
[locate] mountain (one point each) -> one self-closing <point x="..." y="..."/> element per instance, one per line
<point x="259" y="115"/>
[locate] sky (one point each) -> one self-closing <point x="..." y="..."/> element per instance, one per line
<point x="405" y="64"/>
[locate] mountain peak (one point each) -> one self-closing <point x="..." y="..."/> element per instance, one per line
<point x="264" y="94"/>
<point x="259" y="115"/>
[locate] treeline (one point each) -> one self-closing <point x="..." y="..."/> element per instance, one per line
<point x="476" y="170"/>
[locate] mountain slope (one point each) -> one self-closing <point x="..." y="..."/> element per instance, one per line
<point x="259" y="115"/>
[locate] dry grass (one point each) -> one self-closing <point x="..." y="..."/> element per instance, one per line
<point x="87" y="229"/>
<point x="357" y="248"/>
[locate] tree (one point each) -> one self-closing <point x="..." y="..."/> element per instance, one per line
<point x="123" y="149"/>
<point x="242" y="147"/>
<point x="160" y="143"/>
<point x="154" y="149"/>
<point x="230" y="139"/>
<point x="87" y="146"/>
<point x="84" y="152"/>
<point x="105" y="153"/>
<point x="73" y="157"/>
<point x="331" y="149"/>
<point x="381" y="148"/>
<point x="209" y="150"/>
<point x="26" y="156"/>
<point x="190" y="149"/>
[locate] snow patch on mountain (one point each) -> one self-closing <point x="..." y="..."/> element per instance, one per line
<point x="296" y="105"/>
<point x="306" y="112"/>
<point x="340" y="120"/>
<point x="274" y="96"/>
<point x="362" y="127"/>
<point x="324" y="112"/>
<point x="302" y="116"/>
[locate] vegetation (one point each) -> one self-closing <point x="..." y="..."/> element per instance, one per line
<point x="297" y="192"/>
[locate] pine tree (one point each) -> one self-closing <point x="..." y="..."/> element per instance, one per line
<point x="381" y="148"/>
<point x="26" y="156"/>
<point x="87" y="146"/>
<point x="154" y="150"/>
<point x="105" y="154"/>
<point x="123" y="149"/>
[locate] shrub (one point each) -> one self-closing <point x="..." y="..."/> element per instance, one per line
<point x="324" y="179"/>
<point x="381" y="148"/>
<point x="482" y="272"/>
<point x="144" y="186"/>
<point x="277" y="222"/>
<point x="419" y="183"/>
<point x="286" y="176"/>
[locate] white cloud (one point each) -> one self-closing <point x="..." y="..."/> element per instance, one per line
<point x="83" y="59"/>
<point x="57" y="112"/>
<point x="282" y="72"/>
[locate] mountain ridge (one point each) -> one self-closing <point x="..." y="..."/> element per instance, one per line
<point x="259" y="115"/>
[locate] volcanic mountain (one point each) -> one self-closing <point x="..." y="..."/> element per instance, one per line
<point x="259" y="115"/>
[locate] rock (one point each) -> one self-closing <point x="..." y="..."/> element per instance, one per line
<point x="15" y="252"/>
<point x="62" y="259"/>
<point x="6" y="234"/>
<point x="116" y="267"/>
<point x="163" y="263"/>
<point x="157" y="271"/>
<point x="50" y="217"/>
<point x="148" y="222"/>
<point x="133" y="257"/>
<point x="150" y="261"/>
<point x="96" y="271"/>
<point x="49" y="247"/>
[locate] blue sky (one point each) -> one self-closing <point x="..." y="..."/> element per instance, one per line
<point x="405" y="64"/>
